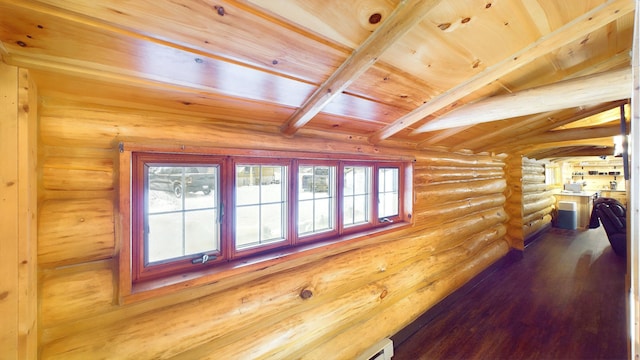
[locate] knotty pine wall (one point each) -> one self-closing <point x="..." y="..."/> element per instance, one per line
<point x="368" y="291"/>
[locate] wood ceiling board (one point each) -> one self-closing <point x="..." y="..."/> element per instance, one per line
<point x="222" y="108"/>
<point x="401" y="20"/>
<point x="452" y="45"/>
<point x="308" y="40"/>
<point x="594" y="19"/>
<point x="176" y="67"/>
<point x="344" y="22"/>
<point x="452" y="138"/>
<point x="386" y="84"/>
<point x="241" y="34"/>
<point x="363" y="109"/>
<point x="60" y="44"/>
<point x="54" y="88"/>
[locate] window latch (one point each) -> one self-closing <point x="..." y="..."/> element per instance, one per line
<point x="386" y="220"/>
<point x="203" y="259"/>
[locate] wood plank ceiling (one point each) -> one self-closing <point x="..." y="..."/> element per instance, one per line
<point x="388" y="72"/>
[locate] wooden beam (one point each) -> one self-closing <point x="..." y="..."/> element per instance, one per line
<point x="574" y="134"/>
<point x="9" y="212"/>
<point x="18" y="219"/>
<point x="440" y="136"/>
<point x="603" y="142"/>
<point x="529" y="123"/>
<point x="572" y="31"/>
<point x="526" y="129"/>
<point x="587" y="90"/>
<point x="571" y="152"/>
<point x="406" y="15"/>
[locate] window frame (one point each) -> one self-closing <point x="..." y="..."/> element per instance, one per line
<point x="301" y="239"/>
<point x="376" y="178"/>
<point x="139" y="214"/>
<point x="235" y="253"/>
<point x="132" y="288"/>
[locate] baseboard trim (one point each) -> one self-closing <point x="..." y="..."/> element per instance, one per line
<point x="441" y="307"/>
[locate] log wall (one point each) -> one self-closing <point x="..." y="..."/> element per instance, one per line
<point x="359" y="296"/>
<point x="530" y="201"/>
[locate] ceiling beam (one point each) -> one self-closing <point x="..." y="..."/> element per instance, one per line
<point x="587" y="90"/>
<point x="572" y="31"/>
<point x="530" y="123"/>
<point x="518" y="131"/>
<point x="598" y="142"/>
<point x="571" y="152"/>
<point x="572" y="134"/>
<point x="404" y="17"/>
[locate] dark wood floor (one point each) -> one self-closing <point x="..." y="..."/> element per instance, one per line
<point x="563" y="300"/>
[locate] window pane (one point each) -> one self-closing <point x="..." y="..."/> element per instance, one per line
<point x="248" y="226"/>
<point x="356" y="198"/>
<point x="164" y="237"/>
<point x="272" y="218"/>
<point x="323" y="214"/>
<point x="247" y="184"/>
<point x="360" y="209"/>
<point x="200" y="231"/>
<point x="260" y="204"/>
<point x="316" y="199"/>
<point x="388" y="192"/>
<point x="181" y="208"/>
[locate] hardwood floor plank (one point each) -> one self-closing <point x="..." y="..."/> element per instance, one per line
<point x="565" y="299"/>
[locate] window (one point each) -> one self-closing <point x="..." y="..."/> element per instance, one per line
<point x="388" y="191"/>
<point x="356" y="195"/>
<point x="185" y="212"/>
<point x="260" y="204"/>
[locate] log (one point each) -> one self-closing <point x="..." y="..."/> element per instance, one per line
<point x="583" y="91"/>
<point x="99" y="129"/>
<point x="532" y="179"/>
<point x="535" y="196"/>
<point x="529" y="208"/>
<point x="536" y="225"/>
<point x="440" y="193"/>
<point x="75" y="231"/>
<point x="439" y="175"/>
<point x="529" y="188"/>
<point x="514" y="210"/>
<point x="537" y="215"/>
<point x="77" y="292"/>
<point x="447" y="212"/>
<point x="81" y="174"/>
<point x="435" y="158"/>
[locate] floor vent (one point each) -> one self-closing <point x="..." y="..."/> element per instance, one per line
<point x="382" y="350"/>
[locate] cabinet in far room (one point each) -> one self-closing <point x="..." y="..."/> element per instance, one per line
<point x="615" y="194"/>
